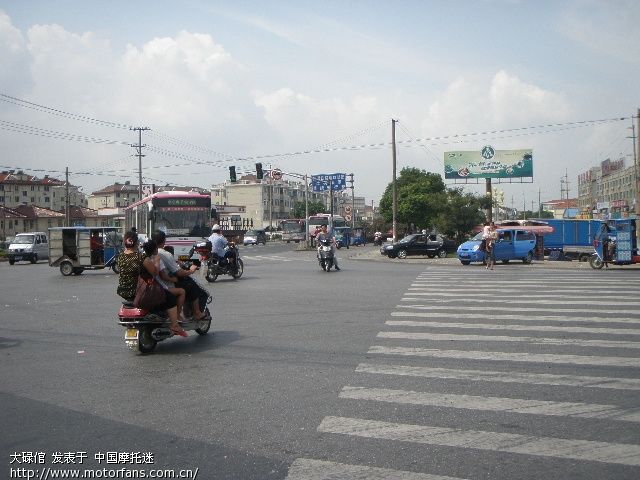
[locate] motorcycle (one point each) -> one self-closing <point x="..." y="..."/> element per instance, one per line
<point x="325" y="255"/>
<point x="146" y="328"/>
<point x="377" y="239"/>
<point x="214" y="265"/>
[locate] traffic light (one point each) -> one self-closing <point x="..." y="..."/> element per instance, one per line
<point x="259" y="172"/>
<point x="232" y="174"/>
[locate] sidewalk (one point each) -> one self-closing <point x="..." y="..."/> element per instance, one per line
<point x="373" y="254"/>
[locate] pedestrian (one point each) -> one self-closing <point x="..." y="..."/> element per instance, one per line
<point x="492" y="238"/>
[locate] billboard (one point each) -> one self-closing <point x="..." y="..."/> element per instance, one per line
<point x="488" y="163"/>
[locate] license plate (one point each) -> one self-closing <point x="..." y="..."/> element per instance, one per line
<point x="132" y="334"/>
<point x="183" y="258"/>
<point x="17" y="258"/>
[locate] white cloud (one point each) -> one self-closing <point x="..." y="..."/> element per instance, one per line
<point x="610" y="29"/>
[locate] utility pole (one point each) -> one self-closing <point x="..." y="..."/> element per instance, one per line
<point x="138" y="147"/>
<point x="67" y="216"/>
<point x="564" y="186"/>
<point x="636" y="138"/>
<point x="539" y="205"/>
<point x="393" y="188"/>
<point x="353" y="201"/>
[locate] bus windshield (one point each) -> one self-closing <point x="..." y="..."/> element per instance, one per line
<point x="176" y="222"/>
<point x="293" y="226"/>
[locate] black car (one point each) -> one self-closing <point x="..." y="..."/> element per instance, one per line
<point x="430" y="245"/>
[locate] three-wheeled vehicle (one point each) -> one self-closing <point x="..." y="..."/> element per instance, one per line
<point x="75" y="249"/>
<point x="615" y="243"/>
<point x="359" y="237"/>
<point x="342" y="236"/>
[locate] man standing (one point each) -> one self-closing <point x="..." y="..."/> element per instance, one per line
<point x="191" y="288"/>
<point x="325" y="235"/>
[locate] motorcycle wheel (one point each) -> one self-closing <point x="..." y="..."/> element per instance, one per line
<point x="146" y="342"/>
<point x="240" y="269"/>
<point x="204" y="325"/>
<point x="327" y="265"/>
<point x="596" y="262"/>
<point x="210" y="276"/>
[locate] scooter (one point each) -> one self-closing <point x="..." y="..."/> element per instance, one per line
<point x="377" y="239"/>
<point x="145" y="328"/>
<point x="325" y="255"/>
<point x="214" y="265"/>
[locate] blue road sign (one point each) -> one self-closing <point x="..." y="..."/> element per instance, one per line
<point x="331" y="181"/>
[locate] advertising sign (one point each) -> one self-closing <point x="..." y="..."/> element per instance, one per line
<point x="331" y="181"/>
<point x="488" y="163"/>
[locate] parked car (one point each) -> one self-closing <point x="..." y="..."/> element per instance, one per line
<point x="31" y="247"/>
<point x="512" y="244"/>
<point x="255" y="237"/>
<point x="431" y="245"/>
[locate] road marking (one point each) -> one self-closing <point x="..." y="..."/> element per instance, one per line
<point x="496" y="326"/>
<point x="309" y="469"/>
<point x="492" y="294"/>
<point x="490" y="289"/>
<point x="505" y="377"/>
<point x="493" y="404"/>
<point x="523" y="299"/>
<point x="494" y="309"/>
<point x="447" y="337"/>
<point x="584" y="450"/>
<point x="508" y="356"/>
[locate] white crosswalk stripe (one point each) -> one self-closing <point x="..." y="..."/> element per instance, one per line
<point x="522" y="322"/>
<point x="310" y="469"/>
<point x="586" y="450"/>
<point x="444" y="337"/>
<point x="503" y="327"/>
<point x="512" y="405"/>
<point x="508" y="356"/>
<point x="615" y="383"/>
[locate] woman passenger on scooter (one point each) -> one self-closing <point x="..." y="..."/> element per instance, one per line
<point x="130" y="265"/>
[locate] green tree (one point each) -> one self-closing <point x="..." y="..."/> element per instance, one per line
<point x="421" y="198"/>
<point x="461" y="214"/>
<point x="314" y="207"/>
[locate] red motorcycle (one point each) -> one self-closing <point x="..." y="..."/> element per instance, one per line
<point x="145" y="328"/>
<point x="216" y="265"/>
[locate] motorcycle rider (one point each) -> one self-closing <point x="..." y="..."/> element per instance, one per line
<point x="191" y="288"/>
<point x="219" y="246"/>
<point x="325" y="235"/>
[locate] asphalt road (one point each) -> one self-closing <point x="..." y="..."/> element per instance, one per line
<point x="385" y="369"/>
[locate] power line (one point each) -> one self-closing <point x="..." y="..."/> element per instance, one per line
<point x="53" y="111"/>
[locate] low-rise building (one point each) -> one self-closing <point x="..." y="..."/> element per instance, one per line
<point x="19" y="188"/>
<point x="608" y="190"/>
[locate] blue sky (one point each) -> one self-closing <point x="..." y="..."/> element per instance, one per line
<point x="222" y="83"/>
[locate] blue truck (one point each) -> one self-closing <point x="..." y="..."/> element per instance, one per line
<point x="571" y="238"/>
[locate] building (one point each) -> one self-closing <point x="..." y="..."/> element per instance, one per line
<point x="19" y="188"/>
<point x="608" y="190"/>
<point x="118" y="195"/>
<point x="565" y="208"/>
<point x="28" y="218"/>
<point x="266" y="201"/>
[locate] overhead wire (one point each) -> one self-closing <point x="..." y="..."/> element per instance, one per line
<point x="225" y="158"/>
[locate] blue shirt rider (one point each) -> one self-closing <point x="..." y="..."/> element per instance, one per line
<point x="219" y="245"/>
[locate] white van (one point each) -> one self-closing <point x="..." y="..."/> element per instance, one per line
<point x="31" y="246"/>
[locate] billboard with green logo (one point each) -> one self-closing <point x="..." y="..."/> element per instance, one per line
<point x="488" y="163"/>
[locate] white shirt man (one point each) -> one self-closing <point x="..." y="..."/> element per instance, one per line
<point x="218" y="242"/>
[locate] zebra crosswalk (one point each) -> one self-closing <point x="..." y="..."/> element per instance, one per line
<point x="555" y="352"/>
